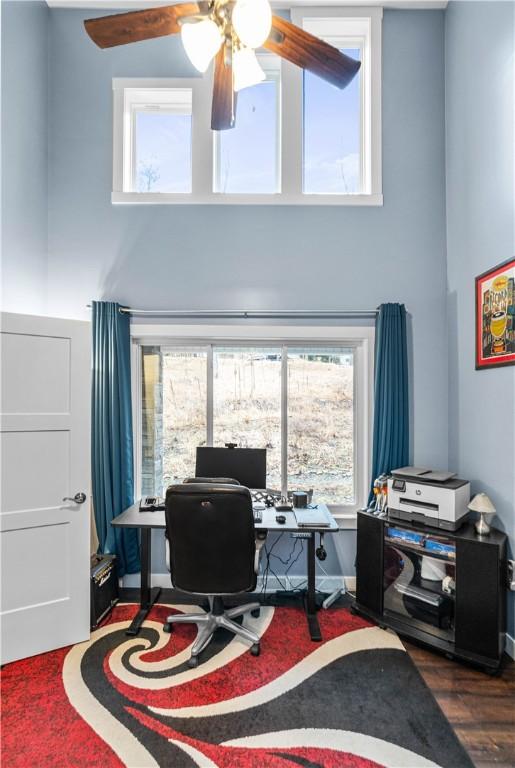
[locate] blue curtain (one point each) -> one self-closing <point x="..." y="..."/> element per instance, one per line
<point x="111" y="433"/>
<point x="391" y="414"/>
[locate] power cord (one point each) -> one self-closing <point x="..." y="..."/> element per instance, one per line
<point x="289" y="562"/>
<point x="267" y="569"/>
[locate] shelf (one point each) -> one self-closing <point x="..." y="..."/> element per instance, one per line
<point x="401" y="544"/>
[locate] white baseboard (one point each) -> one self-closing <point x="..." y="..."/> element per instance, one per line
<point x="326" y="583"/>
<point x="509" y="645"/>
<point x="156" y="579"/>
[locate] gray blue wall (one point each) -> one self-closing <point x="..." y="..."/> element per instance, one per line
<point x="479" y="51"/>
<point x="169" y="256"/>
<point x="24" y="155"/>
<point x="280" y="257"/>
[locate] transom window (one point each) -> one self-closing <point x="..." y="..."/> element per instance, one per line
<point x="297" y="139"/>
<point x="258" y="126"/>
<point x="300" y="401"/>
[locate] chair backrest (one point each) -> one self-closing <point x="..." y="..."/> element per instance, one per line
<point x="215" y="480"/>
<point x="212" y="539"/>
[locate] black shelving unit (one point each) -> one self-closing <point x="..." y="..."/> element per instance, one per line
<point x="479" y="570"/>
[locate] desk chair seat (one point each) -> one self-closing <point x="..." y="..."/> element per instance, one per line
<point x="210" y="529"/>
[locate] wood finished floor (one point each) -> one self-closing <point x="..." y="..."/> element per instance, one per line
<point x="480" y="708"/>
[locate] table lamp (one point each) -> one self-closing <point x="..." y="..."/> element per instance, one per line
<point x="482" y="504"/>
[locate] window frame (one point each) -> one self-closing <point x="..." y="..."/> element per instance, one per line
<point x="290" y="119"/>
<point x="359" y="338"/>
<point x="172" y="101"/>
<point x="364" y="25"/>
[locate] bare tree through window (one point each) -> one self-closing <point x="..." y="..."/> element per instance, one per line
<point x="148" y="175"/>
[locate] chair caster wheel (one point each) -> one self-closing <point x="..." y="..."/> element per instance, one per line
<point x="255" y="613"/>
<point x="193" y="662"/>
<point x="255" y="649"/>
<point x="167" y="627"/>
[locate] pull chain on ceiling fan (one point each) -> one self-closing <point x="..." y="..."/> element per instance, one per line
<point x="229" y="31"/>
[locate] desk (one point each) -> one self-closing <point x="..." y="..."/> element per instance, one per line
<point x="133" y="518"/>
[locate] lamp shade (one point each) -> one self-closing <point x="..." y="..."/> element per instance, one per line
<point x="481" y="503"/>
<point x="201" y="41"/>
<point x="247" y="70"/>
<point x="252" y="21"/>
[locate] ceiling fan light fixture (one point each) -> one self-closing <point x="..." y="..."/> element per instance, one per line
<point x="201" y="41"/>
<point x="246" y="68"/>
<point x="252" y="21"/>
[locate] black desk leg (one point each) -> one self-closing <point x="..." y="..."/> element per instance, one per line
<point x="310" y="604"/>
<point x="148" y="596"/>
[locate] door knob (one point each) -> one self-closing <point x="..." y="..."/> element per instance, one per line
<point x="79" y="498"/>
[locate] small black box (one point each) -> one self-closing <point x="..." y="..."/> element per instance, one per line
<point x="104" y="587"/>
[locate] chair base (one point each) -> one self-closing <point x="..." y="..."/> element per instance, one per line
<point x="208" y="623"/>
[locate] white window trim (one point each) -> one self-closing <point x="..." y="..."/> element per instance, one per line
<point x="290" y="119"/>
<point x="361" y="339"/>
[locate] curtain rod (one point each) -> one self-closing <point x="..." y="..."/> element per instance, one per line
<point x="251" y="314"/>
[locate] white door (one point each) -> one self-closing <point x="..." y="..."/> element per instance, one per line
<point x="45" y="447"/>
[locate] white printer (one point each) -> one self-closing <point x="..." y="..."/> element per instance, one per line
<point x="425" y="496"/>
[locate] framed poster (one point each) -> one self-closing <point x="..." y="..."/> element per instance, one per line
<point x="495" y="316"/>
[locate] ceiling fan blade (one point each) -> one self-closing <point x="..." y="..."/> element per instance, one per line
<point x="311" y="53"/>
<point x="223" y="112"/>
<point x="123" y="28"/>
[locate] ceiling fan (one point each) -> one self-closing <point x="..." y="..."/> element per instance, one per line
<point x="229" y="31"/>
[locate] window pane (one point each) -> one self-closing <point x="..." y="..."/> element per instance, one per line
<point x="151" y="421"/>
<point x="247" y="402"/>
<point x="320" y="423"/>
<point x="184" y="411"/>
<point x="332" y="135"/>
<point x="247" y="155"/>
<point x="174" y="415"/>
<point x="162" y="152"/>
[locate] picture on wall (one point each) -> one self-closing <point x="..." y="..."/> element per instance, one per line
<point x="495" y="316"/>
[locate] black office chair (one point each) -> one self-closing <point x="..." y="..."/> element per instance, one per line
<point x="210" y="529"/>
<point x="215" y="480"/>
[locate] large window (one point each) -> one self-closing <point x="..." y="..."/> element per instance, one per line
<point x="304" y="403"/>
<point x="297" y="139"/>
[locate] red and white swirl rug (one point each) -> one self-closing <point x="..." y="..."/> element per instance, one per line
<point x="353" y="701"/>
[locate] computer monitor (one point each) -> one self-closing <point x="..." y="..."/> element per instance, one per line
<point x="246" y="465"/>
